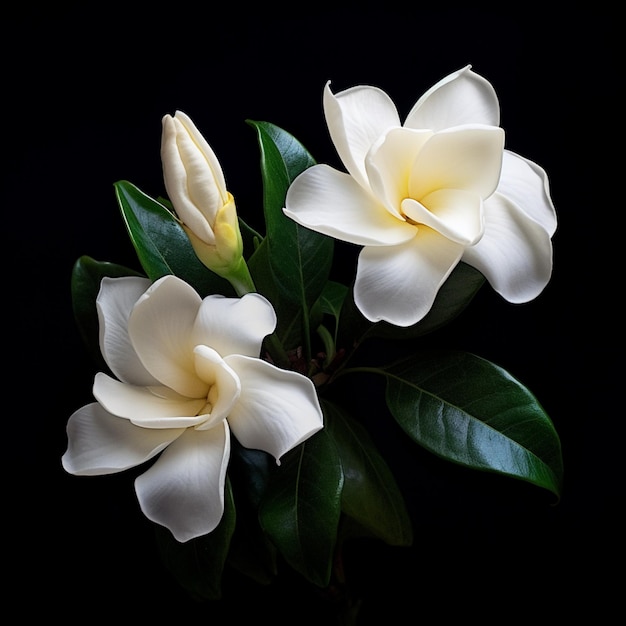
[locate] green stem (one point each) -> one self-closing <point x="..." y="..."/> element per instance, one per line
<point x="240" y="278"/>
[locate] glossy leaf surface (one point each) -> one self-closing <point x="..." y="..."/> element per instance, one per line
<point x="301" y="507"/>
<point x="251" y="553"/>
<point x="370" y="494"/>
<point x="161" y="244"/>
<point x="299" y="258"/>
<point x="472" y="412"/>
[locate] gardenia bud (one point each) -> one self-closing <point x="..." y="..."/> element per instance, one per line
<point x="196" y="187"/>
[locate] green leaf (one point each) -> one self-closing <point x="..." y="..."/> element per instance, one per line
<point x="198" y="564"/>
<point x="370" y="494"/>
<point x="251" y="553"/>
<point x="472" y="412"/>
<point x="299" y="258"/>
<point x="289" y="323"/>
<point x="87" y="274"/>
<point x="161" y="243"/>
<point x="301" y="508"/>
<point x="332" y="299"/>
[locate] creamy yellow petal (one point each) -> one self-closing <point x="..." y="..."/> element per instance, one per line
<point x="333" y="203"/>
<point x="225" y="386"/>
<point x="467" y="157"/>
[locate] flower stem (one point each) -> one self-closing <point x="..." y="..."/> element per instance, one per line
<point x="240" y="278"/>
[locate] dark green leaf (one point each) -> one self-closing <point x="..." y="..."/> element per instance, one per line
<point x="370" y="494"/>
<point x="252" y="553"/>
<point x="161" y="243"/>
<point x="289" y="323"/>
<point x="299" y="258"/>
<point x="198" y="564"/>
<point x="331" y="301"/>
<point x="301" y="508"/>
<point x="472" y="412"/>
<point x="87" y="274"/>
<point x="332" y="298"/>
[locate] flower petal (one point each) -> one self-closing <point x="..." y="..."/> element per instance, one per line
<point x="526" y="184"/>
<point x="398" y="284"/>
<point x="462" y="97"/>
<point x="514" y="254"/>
<point x="184" y="488"/>
<point x="466" y="157"/>
<point x="277" y="409"/>
<point x="356" y="118"/>
<point x="192" y="174"/>
<point x="175" y="178"/>
<point x="100" y="443"/>
<point x="389" y="165"/>
<point x="454" y="213"/>
<point x="224" y="382"/>
<point x="203" y="146"/>
<point x="331" y="202"/>
<point x="234" y="325"/>
<point x="115" y="301"/>
<point x="150" y="407"/>
<point x="160" y="328"/>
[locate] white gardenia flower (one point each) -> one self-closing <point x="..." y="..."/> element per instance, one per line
<point x="187" y="373"/>
<point x="424" y="195"/>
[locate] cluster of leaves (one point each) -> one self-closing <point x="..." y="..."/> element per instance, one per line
<point x="457" y="405"/>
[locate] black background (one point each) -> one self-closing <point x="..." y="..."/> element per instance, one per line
<point x="85" y="90"/>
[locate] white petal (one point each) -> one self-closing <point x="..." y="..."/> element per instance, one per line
<point x="100" y="443"/>
<point x="224" y="382"/>
<point x="150" y="407"/>
<point x="175" y="177"/>
<point x="462" y="97"/>
<point x="526" y="184"/>
<point x="356" y="118"/>
<point x="466" y="157"/>
<point x="160" y="328"/>
<point x="115" y="301"/>
<point x="454" y="213"/>
<point x="234" y="325"/>
<point x="184" y="488"/>
<point x="277" y="409"/>
<point x="207" y="151"/>
<point x="399" y="284"/>
<point x="389" y="165"/>
<point x="515" y="253"/>
<point x="331" y="202"/>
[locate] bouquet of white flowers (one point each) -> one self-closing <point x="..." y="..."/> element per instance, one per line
<point x="227" y="363"/>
